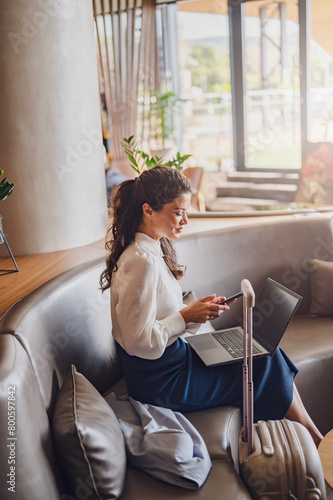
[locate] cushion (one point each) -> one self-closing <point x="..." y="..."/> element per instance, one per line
<point x="88" y="439"/>
<point x="321" y="288"/>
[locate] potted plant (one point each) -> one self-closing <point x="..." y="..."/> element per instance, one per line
<point x="164" y="106"/>
<point x="140" y="161"/>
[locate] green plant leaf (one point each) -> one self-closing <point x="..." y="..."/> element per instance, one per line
<point x="131" y="150"/>
<point x="143" y="155"/>
<point x="5" y="190"/>
<point x="167" y="96"/>
<point x="158" y="160"/>
<point x="5" y="187"/>
<point x="133" y="160"/>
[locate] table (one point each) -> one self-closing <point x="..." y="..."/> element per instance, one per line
<point x="326" y="455"/>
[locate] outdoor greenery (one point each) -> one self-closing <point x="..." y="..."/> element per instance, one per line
<point x="140" y="161"/>
<point x="5" y="187"/>
<point x="213" y="69"/>
<point x="163" y="107"/>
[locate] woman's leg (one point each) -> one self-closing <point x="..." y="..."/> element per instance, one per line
<point x="298" y="413"/>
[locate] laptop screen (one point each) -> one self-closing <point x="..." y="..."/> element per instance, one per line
<point x="274" y="308"/>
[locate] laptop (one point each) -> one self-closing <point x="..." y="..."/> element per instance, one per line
<point x="274" y="308"/>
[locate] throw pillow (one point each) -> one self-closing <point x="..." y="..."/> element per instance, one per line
<point x="89" y="440"/>
<point x="321" y="288"/>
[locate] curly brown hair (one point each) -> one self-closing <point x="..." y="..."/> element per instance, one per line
<point x="157" y="187"/>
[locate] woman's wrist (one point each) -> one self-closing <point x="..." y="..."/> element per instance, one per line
<point x="185" y="313"/>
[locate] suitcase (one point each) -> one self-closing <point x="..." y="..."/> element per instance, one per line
<point x="278" y="459"/>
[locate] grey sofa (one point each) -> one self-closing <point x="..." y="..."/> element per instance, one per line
<point x="67" y="321"/>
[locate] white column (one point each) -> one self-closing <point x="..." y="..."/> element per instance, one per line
<point x="50" y="126"/>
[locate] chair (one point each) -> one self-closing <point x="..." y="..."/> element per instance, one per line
<point x="195" y="176"/>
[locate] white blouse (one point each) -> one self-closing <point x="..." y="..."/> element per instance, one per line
<point x="145" y="301"/>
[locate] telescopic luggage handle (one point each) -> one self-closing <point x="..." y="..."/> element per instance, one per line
<point x="248" y="293"/>
<point x="248" y="304"/>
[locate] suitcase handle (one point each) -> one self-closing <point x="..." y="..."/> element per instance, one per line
<point x="248" y="293"/>
<point x="266" y="440"/>
<point x="248" y="304"/>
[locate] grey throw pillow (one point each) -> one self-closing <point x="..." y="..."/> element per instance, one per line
<point x="89" y="440"/>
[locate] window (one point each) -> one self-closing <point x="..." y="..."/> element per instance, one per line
<point x="193" y="102"/>
<point x="272" y="86"/>
<point x="321" y="74"/>
<point x="200" y="79"/>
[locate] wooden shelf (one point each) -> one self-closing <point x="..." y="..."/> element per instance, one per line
<point x="35" y="270"/>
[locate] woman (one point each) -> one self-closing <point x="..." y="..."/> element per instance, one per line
<point x="149" y="317"/>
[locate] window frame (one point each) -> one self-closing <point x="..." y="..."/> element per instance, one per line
<point x="236" y="14"/>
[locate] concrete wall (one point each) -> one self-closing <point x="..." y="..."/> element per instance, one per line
<point x="50" y="126"/>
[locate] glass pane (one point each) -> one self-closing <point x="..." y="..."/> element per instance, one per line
<point x="204" y="73"/>
<point x="272" y="104"/>
<point x="321" y="76"/>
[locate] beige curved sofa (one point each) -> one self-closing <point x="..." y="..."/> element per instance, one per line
<point x="67" y="321"/>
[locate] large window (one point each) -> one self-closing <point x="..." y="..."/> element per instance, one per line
<point x="227" y="81"/>
<point x="321" y="74"/>
<point x="271" y="92"/>
<point x="201" y="81"/>
<point x="272" y="87"/>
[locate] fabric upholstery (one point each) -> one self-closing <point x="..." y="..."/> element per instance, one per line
<point x="88" y="439"/>
<point x="321" y="288"/>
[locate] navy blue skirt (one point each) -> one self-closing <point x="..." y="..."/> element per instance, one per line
<point x="179" y="380"/>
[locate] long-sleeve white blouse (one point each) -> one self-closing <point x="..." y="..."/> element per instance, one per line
<point x="145" y="300"/>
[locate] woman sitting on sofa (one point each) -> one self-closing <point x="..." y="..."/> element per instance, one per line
<point x="149" y="316"/>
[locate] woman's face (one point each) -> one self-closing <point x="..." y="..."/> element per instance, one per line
<point x="170" y="220"/>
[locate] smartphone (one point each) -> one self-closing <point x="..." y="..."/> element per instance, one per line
<point x="231" y="298"/>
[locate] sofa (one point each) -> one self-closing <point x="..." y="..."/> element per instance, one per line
<point x="66" y="323"/>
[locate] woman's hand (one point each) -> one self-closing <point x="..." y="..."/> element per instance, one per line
<point x="204" y="309"/>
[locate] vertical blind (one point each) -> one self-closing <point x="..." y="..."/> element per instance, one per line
<point x="128" y="66"/>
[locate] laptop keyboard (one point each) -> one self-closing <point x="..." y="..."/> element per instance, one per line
<point x="233" y="341"/>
